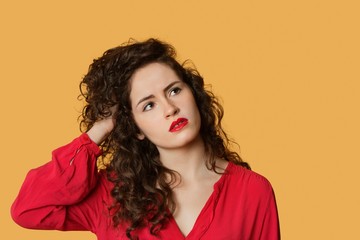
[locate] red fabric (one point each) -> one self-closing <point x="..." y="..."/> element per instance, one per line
<point x="69" y="194"/>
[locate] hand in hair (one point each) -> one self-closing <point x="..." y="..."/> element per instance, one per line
<point x="102" y="128"/>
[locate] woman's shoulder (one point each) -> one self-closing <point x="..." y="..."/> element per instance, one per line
<point x="246" y="179"/>
<point x="104" y="181"/>
<point x="102" y="191"/>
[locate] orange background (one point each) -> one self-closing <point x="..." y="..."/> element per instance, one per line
<point x="286" y="71"/>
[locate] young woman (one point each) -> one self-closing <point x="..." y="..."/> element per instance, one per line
<point x="169" y="174"/>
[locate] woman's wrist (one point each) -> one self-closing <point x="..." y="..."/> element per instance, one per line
<point x="98" y="133"/>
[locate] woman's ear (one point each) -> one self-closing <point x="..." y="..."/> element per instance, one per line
<point x="141" y="136"/>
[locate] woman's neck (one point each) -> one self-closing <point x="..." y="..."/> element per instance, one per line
<point x="188" y="161"/>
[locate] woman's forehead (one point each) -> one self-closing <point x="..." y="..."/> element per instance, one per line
<point x="151" y="77"/>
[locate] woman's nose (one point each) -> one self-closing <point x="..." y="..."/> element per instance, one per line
<point x="170" y="109"/>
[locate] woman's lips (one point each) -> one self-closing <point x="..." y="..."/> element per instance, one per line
<point x="178" y="124"/>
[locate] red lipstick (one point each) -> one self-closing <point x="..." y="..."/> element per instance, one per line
<point x="178" y="124"/>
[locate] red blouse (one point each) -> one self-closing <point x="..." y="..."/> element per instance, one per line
<point x="68" y="193"/>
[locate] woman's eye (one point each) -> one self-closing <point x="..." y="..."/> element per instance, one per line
<point x="148" y="106"/>
<point x="175" y="91"/>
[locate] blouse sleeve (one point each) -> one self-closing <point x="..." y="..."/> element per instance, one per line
<point x="270" y="225"/>
<point x="53" y="195"/>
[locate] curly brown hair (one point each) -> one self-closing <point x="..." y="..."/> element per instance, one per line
<point x="142" y="190"/>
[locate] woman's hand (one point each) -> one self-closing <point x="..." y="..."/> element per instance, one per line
<point x="102" y="128"/>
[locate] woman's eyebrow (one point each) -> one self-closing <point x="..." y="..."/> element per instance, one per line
<point x="170" y="85"/>
<point x="151" y="96"/>
<point x="144" y="99"/>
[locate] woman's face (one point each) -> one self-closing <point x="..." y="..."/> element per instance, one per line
<point x="164" y="107"/>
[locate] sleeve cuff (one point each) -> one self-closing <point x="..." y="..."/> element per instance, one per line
<point x="92" y="146"/>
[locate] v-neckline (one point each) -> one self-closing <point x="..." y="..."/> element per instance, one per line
<point x="207" y="211"/>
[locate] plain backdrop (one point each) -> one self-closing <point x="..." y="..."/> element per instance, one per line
<point x="287" y="73"/>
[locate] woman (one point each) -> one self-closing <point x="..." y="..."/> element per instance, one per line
<point x="170" y="173"/>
